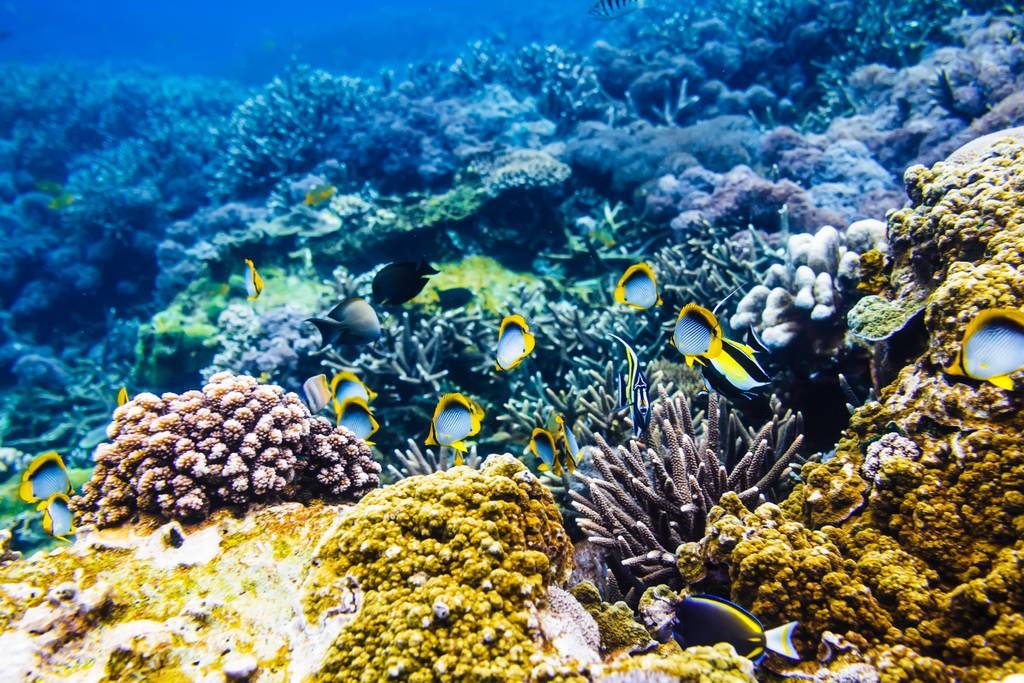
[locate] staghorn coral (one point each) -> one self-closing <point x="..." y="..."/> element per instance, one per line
<point x="651" y="498"/>
<point x="415" y="461"/>
<point x="236" y="442"/>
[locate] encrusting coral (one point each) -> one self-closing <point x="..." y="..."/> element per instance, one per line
<point x="236" y="442"/>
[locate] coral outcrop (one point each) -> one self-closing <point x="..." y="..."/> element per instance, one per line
<point x="236" y="442"/>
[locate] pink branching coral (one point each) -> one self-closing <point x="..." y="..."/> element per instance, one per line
<point x="235" y="442"/>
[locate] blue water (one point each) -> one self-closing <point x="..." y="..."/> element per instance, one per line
<point x="250" y="41"/>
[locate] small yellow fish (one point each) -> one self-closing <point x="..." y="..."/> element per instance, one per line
<point x="992" y="348"/>
<point x="356" y="416"/>
<point x="122" y="396"/>
<point x="57" y="518"/>
<point x="542" y="445"/>
<point x="638" y="287"/>
<point x="320" y="194"/>
<point x="697" y="334"/>
<point x="61" y="201"/>
<point x="44" y="476"/>
<point x="515" y="342"/>
<point x="455" y="418"/>
<point x="253" y="282"/>
<point x="571" y="448"/>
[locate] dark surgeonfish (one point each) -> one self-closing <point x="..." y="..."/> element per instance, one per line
<point x="57" y="518"/>
<point x="455" y="418"/>
<point x="401" y="281"/>
<point x="638" y="287"/>
<point x="613" y="9"/>
<point x="992" y="348"/>
<point x="632" y="391"/>
<point x="45" y="476"/>
<point x="456" y="297"/>
<point x="353" y="321"/>
<point x="709" y="620"/>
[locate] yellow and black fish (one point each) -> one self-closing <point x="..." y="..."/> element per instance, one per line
<point x="253" y="282"/>
<point x="734" y="372"/>
<point x="710" y="620"/>
<point x="697" y="334"/>
<point x="317" y="392"/>
<point x="122" y="396"/>
<point x="638" y="287"/>
<point x="992" y="348"/>
<point x="58" y="521"/>
<point x="353" y="321"/>
<point x="515" y="342"/>
<point x="44" y="476"/>
<point x="355" y="415"/>
<point x="346" y="384"/>
<point x="570" y="448"/>
<point x="455" y="418"/>
<point x="542" y="445"/>
<point x="631" y="391"/>
<point x="319" y="194"/>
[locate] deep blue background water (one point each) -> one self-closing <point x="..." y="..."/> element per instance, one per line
<point x="251" y="41"/>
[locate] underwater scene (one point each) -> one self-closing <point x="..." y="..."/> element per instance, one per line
<point x="611" y="341"/>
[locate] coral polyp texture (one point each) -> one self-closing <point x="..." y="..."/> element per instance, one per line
<point x="907" y="543"/>
<point x="234" y="443"/>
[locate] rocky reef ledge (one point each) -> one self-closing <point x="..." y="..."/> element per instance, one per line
<point x="452" y="576"/>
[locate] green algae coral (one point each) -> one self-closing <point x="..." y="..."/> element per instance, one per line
<point x="449" y="567"/>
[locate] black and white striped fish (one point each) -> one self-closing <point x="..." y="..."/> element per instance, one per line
<point x="632" y="391"/>
<point x="613" y="9"/>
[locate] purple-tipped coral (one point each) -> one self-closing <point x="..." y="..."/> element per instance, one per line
<point x="235" y="442"/>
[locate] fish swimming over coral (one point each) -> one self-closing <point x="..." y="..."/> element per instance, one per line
<point x="353" y="321"/>
<point x="632" y="389"/>
<point x="613" y="9"/>
<point x="401" y="281"/>
<point x="455" y="418"/>
<point x="992" y="348"/>
<point x="456" y="297"/>
<point x="355" y="415"/>
<point x="709" y="620"/>
<point x="697" y="333"/>
<point x="122" y="396"/>
<point x="638" y="287"/>
<point x="543" y="446"/>
<point x="734" y="372"/>
<point x="569" y="445"/>
<point x="253" y="282"/>
<point x="347" y="384"/>
<point x="45" y="476"/>
<point x="317" y="392"/>
<point x="58" y="521"/>
<point x="515" y="342"/>
<point x="319" y="194"/>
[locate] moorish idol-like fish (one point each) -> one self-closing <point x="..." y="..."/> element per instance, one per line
<point x="697" y="334"/>
<point x="318" y="393"/>
<point x="57" y="518"/>
<point x="515" y="342"/>
<point x="992" y="348"/>
<point x="638" y="287"/>
<point x="355" y="415"/>
<point x="253" y="281"/>
<point x="542" y="445"/>
<point x="632" y="391"/>
<point x="709" y="620"/>
<point x="455" y="418"/>
<point x="569" y="445"/>
<point x="401" y="281"/>
<point x="734" y="372"/>
<point x="44" y="476"/>
<point x="353" y="321"/>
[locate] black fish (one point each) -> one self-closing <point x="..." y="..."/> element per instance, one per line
<point x="398" y="282"/>
<point x="456" y="297"/>
<point x="353" y="321"/>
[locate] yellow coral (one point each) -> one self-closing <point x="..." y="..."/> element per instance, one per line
<point x="449" y="567"/>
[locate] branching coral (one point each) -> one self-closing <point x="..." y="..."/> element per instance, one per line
<point x="649" y="499"/>
<point x="236" y="442"/>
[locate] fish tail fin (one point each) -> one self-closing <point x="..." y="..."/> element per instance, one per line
<point x="1003" y="382"/>
<point x="780" y="640"/>
<point x="328" y="330"/>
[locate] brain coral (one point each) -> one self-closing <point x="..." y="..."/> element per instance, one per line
<point x="233" y="443"/>
<point x="922" y="504"/>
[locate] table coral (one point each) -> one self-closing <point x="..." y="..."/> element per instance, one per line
<point x="235" y="442"/>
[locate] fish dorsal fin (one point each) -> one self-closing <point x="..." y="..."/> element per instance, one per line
<point x="340" y="308"/>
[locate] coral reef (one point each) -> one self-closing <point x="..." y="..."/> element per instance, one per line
<point x="236" y="442"/>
